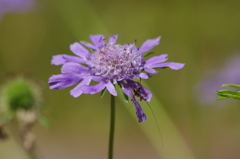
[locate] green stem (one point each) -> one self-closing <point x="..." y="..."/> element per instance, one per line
<point x="112" y="125"/>
<point x="32" y="154"/>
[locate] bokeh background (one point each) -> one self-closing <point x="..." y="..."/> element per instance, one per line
<point x="201" y="33"/>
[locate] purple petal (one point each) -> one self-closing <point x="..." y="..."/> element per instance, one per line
<point x="98" y="40"/>
<point x="147" y="95"/>
<point x="150" y="70"/>
<point x="70" y="58"/>
<point x="72" y="67"/>
<point x="144" y="75"/>
<point x="127" y="90"/>
<point x="93" y="89"/>
<point x="113" y="39"/>
<point x="111" y="88"/>
<point x="148" y="45"/>
<point x="16" y="6"/>
<point x="62" y="81"/>
<point x="58" y="60"/>
<point x="99" y="79"/>
<point x="131" y="47"/>
<point x="79" y="50"/>
<point x="156" y="59"/>
<point x="77" y="91"/>
<point x="88" y="45"/>
<point x="172" y="65"/>
<point x="139" y="112"/>
<point x="62" y="59"/>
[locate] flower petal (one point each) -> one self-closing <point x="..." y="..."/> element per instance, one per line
<point x="113" y="39"/>
<point x="93" y="89"/>
<point x="62" y="59"/>
<point x="139" y="112"/>
<point x="144" y="75"/>
<point x="72" y="67"/>
<point x="148" y="45"/>
<point x="62" y="81"/>
<point x="172" y="65"/>
<point x="70" y="58"/>
<point x="156" y="59"/>
<point x="88" y="45"/>
<point x="126" y="89"/>
<point x="131" y="47"/>
<point x="111" y="88"/>
<point x="146" y="94"/>
<point x="150" y="70"/>
<point x="77" y="91"/>
<point x="99" y="79"/>
<point x="79" y="50"/>
<point x="98" y="40"/>
<point x="58" y="60"/>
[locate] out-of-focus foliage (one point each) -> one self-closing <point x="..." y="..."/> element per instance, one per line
<point x="228" y="93"/>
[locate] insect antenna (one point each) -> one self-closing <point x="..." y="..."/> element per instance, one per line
<point x="156" y="123"/>
<point x="131" y="105"/>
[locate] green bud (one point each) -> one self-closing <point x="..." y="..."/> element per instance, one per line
<point x="19" y="93"/>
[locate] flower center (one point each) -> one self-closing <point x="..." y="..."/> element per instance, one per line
<point x="117" y="62"/>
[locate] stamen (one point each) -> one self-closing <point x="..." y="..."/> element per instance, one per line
<point x="118" y="62"/>
<point x="100" y="39"/>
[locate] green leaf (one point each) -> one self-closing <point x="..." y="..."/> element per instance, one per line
<point x="221" y="97"/>
<point x="125" y="97"/>
<point x="103" y="92"/>
<point x="43" y="120"/>
<point x="147" y="54"/>
<point x="231" y="85"/>
<point x="229" y="94"/>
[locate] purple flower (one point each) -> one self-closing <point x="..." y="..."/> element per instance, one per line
<point x="109" y="64"/>
<point x="227" y="74"/>
<point x="15" y="6"/>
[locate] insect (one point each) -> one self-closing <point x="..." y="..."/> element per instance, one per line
<point x="139" y="92"/>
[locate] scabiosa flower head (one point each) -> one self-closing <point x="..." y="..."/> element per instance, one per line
<point x="109" y="64"/>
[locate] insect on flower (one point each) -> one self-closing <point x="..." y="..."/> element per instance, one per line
<point x="137" y="92"/>
<point x="109" y="64"/>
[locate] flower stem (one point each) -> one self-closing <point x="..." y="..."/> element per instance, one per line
<point x="32" y="154"/>
<point x="112" y="125"/>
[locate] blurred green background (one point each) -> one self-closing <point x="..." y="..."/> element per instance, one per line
<point x="201" y="33"/>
